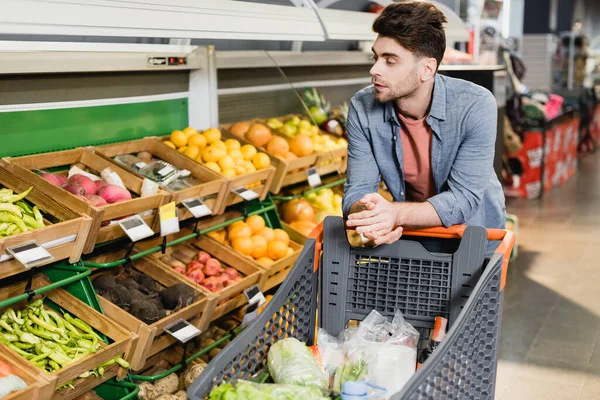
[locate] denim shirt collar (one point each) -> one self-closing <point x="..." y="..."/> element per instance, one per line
<point x="438" y="104"/>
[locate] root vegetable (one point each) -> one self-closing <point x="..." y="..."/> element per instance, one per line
<point x="99" y="185"/>
<point x="203" y="257"/>
<point x="196" y="275"/>
<point x="52" y="178"/>
<point x="223" y="278"/>
<point x="168" y="384"/>
<point x="75" y="188"/>
<point x="180" y="395"/>
<point x="145" y="311"/>
<point x="166" y="397"/>
<point x="88" y="185"/>
<point x="147" y="284"/>
<point x="231" y="272"/>
<point x="114" y="194"/>
<point x="96" y="201"/>
<point x="147" y="391"/>
<point x="213" y="284"/>
<point x="213" y="267"/>
<point x="228" y="282"/>
<point x="177" y="296"/>
<point x="178" y="269"/>
<point x="214" y="352"/>
<point x="191" y="374"/>
<point x="193" y="265"/>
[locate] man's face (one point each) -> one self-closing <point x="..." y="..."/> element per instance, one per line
<point x="395" y="70"/>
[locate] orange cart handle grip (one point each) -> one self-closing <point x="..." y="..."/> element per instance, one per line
<point x="506" y="237"/>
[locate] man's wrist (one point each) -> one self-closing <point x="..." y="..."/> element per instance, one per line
<point x="398" y="208"/>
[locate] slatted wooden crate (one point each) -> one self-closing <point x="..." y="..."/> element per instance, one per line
<point x="37" y="387"/>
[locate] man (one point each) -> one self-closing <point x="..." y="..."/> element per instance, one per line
<point x="430" y="137"/>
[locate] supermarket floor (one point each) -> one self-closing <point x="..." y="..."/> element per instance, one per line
<point x="550" y="340"/>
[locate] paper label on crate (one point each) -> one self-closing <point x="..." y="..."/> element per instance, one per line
<point x="30" y="254"/>
<point x="182" y="331"/>
<point x="250" y="314"/>
<point x="255" y="296"/>
<point x="314" y="179"/>
<point x="197" y="207"/>
<point x="140" y="165"/>
<point x="166" y="170"/>
<point x="169" y="223"/>
<point x="136" y="228"/>
<point x="246" y="194"/>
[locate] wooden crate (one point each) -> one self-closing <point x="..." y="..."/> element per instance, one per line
<point x="87" y="156"/>
<point x="292" y="172"/>
<point x="64" y="236"/>
<point x="165" y="360"/>
<point x="263" y="177"/>
<point x="122" y="341"/>
<point x="230" y="297"/>
<point x="37" y="387"/>
<point x="213" y="190"/>
<point x="152" y="338"/>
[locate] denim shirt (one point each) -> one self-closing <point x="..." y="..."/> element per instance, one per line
<point x="463" y="120"/>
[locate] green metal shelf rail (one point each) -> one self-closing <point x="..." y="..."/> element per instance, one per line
<point x="153" y="378"/>
<point x="175" y="242"/>
<point x="81" y="274"/>
<point x="297" y="196"/>
<point x="112" y="389"/>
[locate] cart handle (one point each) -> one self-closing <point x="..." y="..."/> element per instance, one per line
<point x="506" y="237"/>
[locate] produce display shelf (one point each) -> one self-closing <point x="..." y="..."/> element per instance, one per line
<point x="290" y="172"/>
<point x="212" y="191"/>
<point x="23" y="166"/>
<point x="64" y="234"/>
<point x="120" y="343"/>
<point x="111" y="390"/>
<point x="37" y="387"/>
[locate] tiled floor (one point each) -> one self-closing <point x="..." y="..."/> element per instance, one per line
<point x="550" y="340"/>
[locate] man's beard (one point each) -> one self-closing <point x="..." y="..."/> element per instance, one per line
<point x="402" y="91"/>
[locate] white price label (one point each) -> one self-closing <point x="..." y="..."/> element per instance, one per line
<point x="140" y="165"/>
<point x="182" y="331"/>
<point x="255" y="296"/>
<point x="313" y="177"/>
<point x="246" y="194"/>
<point x="250" y="314"/>
<point x="197" y="207"/>
<point x="166" y="170"/>
<point x="30" y="254"/>
<point x="136" y="228"/>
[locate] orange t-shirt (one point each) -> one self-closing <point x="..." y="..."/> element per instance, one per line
<point x="416" y="149"/>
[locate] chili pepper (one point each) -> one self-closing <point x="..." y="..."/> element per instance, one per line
<point x="38" y="217"/>
<point x="45" y="316"/>
<point x="54" y="365"/>
<point x="109" y="363"/>
<point x="8" y="337"/>
<point x="39" y="357"/>
<point x="85" y="344"/>
<point x="13" y="198"/>
<point x="4" y="325"/>
<point x="13" y="316"/>
<point x="81" y="325"/>
<point x="87" y="374"/>
<point x="6" y="216"/>
<point x="43" y="324"/>
<point x="122" y="362"/>
<point x="60" y="358"/>
<point x="100" y="371"/>
<point x="24" y="346"/>
<point x="20" y="352"/>
<point x="42" y="334"/>
<point x="59" y="321"/>
<point x="28" y="337"/>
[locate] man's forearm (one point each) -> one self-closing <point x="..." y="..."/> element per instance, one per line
<point x="416" y="215"/>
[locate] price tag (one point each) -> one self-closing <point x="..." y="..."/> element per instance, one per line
<point x="140" y="165"/>
<point x="246" y="194"/>
<point x="313" y="177"/>
<point x="136" y="228"/>
<point x="169" y="223"/>
<point x="255" y="296"/>
<point x="30" y="254"/>
<point x="250" y="314"/>
<point x="184" y="173"/>
<point x="197" y="207"/>
<point x="166" y="170"/>
<point x="182" y="331"/>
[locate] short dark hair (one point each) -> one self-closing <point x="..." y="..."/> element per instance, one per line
<point x="417" y="26"/>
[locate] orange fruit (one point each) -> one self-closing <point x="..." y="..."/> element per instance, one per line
<point x="261" y="161"/>
<point x="232" y="144"/>
<point x="214" y="166"/>
<point x="259" y="246"/>
<point x="302" y="146"/>
<point x="239" y="231"/>
<point x="221" y="144"/>
<point x="169" y="144"/>
<point x="226" y="162"/>
<point x="215" y="235"/>
<point x="281" y="236"/>
<point x="277" y="249"/>
<point x="178" y="138"/>
<point x="265" y="261"/>
<point x="212" y="135"/>
<point x="213" y="154"/>
<point x="239" y="170"/>
<point x="248" y="152"/>
<point x="249" y="166"/>
<point x="192" y="152"/>
<point x="258" y="134"/>
<point x="290" y="251"/>
<point x="256" y="223"/>
<point x="242" y="245"/>
<point x="229" y="173"/>
<point x="239" y="128"/>
<point x="236" y="223"/>
<point x="189" y="131"/>
<point x="182" y="149"/>
<point x="267" y="233"/>
<point x="197" y="140"/>
<point x="278" y="146"/>
<point x="236" y="154"/>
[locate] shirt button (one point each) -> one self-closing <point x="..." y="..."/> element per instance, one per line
<point x="401" y="193"/>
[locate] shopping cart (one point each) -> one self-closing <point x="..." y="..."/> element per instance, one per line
<point x="428" y="273"/>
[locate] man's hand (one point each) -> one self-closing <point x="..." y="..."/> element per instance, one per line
<point x="377" y="221"/>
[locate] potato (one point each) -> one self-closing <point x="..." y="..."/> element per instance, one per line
<point x="147" y="391"/>
<point x="204" y="357"/>
<point x="204" y="343"/>
<point x="168" y="384"/>
<point x="167" y="397"/>
<point x="191" y="374"/>
<point x="214" y="352"/>
<point x="181" y="395"/>
<point x="229" y="325"/>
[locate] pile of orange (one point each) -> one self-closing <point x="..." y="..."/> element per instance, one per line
<point x="228" y="158"/>
<point x="254" y="239"/>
